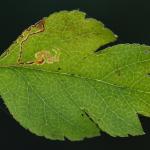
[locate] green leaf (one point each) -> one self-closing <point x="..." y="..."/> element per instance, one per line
<point x="56" y="84"/>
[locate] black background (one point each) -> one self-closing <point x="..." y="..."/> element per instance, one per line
<point x="130" y="19"/>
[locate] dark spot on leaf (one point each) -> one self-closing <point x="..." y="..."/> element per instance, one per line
<point x="84" y="57"/>
<point x="147" y="52"/>
<point x="118" y="72"/>
<point x="58" y="68"/>
<point x="148" y="74"/>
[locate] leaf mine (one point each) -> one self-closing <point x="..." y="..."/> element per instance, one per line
<point x="33" y="29"/>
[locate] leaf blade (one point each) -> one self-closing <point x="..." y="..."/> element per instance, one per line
<point x="94" y="90"/>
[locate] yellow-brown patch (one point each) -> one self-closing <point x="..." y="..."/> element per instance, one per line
<point x="42" y="57"/>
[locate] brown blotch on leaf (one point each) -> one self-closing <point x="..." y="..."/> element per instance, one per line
<point x="43" y="57"/>
<point x="40" y="25"/>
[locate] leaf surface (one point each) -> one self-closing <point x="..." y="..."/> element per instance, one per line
<point x="56" y="85"/>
